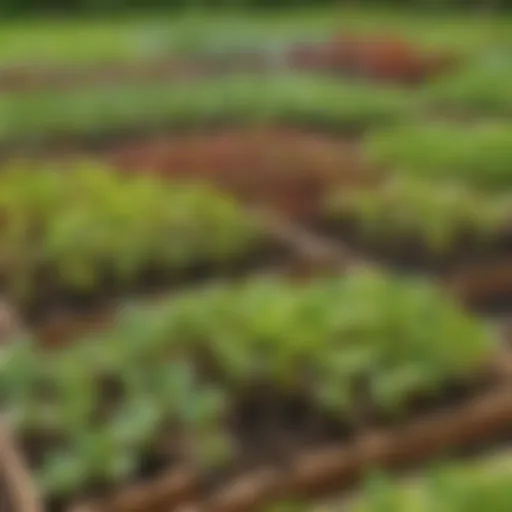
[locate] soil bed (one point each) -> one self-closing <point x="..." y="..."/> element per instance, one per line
<point x="286" y="169"/>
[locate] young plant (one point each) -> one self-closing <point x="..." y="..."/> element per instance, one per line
<point x="76" y="225"/>
<point x="288" y="98"/>
<point x="176" y="369"/>
<point x="435" y="214"/>
<point x="479" y="155"/>
<point x="478" y="90"/>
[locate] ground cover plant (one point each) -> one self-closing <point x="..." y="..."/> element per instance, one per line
<point x="438" y="216"/>
<point x="478" y="90"/>
<point x="94" y="414"/>
<point x="77" y="228"/>
<point x="478" y="155"/>
<point x="240" y="99"/>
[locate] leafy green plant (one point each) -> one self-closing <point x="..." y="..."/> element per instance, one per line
<point x="477" y="90"/>
<point x="76" y="225"/>
<point x="106" y="400"/>
<point x="479" y="155"/>
<point x="243" y="99"/>
<point x="436" y="214"/>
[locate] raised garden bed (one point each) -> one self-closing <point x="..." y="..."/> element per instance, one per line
<point x="256" y="376"/>
<point x="476" y="91"/>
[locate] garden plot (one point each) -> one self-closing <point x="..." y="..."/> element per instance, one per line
<point x="72" y="235"/>
<point x="242" y="394"/>
<point x="444" y="207"/>
<point x="287" y="170"/>
<point x="103" y="114"/>
<point x="372" y="57"/>
<point x="245" y="376"/>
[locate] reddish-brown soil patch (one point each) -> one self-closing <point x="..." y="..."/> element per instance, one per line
<point x="289" y="170"/>
<point x="375" y="56"/>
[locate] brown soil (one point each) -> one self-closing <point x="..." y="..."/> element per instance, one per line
<point x="489" y="283"/>
<point x="378" y="57"/>
<point x="24" y="79"/>
<point x="286" y="169"/>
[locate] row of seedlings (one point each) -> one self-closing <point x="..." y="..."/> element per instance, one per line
<point x="239" y="394"/>
<point x="443" y="206"/>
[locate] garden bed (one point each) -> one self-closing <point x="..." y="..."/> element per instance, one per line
<point x="289" y="170"/>
<point x="443" y="207"/>
<point x="73" y="239"/>
<point x="96" y="116"/>
<point x="273" y="435"/>
<point x="374" y="57"/>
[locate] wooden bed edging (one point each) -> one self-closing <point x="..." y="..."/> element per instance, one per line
<point x="22" y="494"/>
<point x="318" y="473"/>
<point x="323" y="472"/>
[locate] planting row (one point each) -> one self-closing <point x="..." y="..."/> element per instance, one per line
<point x="74" y="232"/>
<point x="374" y="57"/>
<point x="223" y="379"/>
<point x="291" y="99"/>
